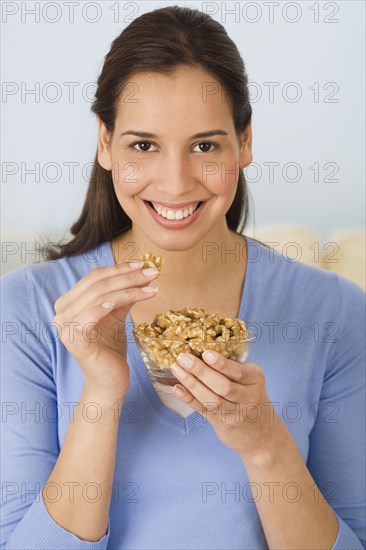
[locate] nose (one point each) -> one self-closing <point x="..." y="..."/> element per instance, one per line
<point x="176" y="179"/>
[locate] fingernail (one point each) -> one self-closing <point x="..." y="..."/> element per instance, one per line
<point x="149" y="271"/>
<point x="135" y="264"/>
<point x="107" y="305"/>
<point x="179" y="391"/>
<point x="178" y="371"/>
<point x="149" y="289"/>
<point x="186" y="359"/>
<point x="209" y="357"/>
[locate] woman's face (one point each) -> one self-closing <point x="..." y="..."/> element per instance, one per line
<point x="157" y="158"/>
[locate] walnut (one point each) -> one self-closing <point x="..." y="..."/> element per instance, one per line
<point x="191" y="330"/>
<point x="152" y="261"/>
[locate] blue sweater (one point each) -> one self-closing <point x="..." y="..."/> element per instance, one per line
<point x="175" y="484"/>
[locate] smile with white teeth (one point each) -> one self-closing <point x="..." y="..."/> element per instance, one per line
<point x="170" y="214"/>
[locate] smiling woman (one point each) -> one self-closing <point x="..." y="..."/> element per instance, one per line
<point x="179" y="168"/>
<point x="152" y="87"/>
<point x="247" y="455"/>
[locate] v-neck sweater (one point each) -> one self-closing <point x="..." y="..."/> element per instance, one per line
<point x="177" y="486"/>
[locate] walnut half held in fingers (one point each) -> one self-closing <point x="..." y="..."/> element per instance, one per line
<point x="150" y="260"/>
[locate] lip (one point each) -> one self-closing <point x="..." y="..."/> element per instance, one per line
<point x="175" y="206"/>
<point x="175" y="224"/>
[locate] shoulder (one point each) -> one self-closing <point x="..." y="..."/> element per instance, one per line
<point x="45" y="281"/>
<point x="309" y="294"/>
<point x="15" y="290"/>
<point x="300" y="281"/>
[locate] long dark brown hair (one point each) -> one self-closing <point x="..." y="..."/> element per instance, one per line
<point x="162" y="41"/>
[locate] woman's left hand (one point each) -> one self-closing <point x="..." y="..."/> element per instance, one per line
<point x="233" y="398"/>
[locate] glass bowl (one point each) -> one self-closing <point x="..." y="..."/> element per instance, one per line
<point x="159" y="354"/>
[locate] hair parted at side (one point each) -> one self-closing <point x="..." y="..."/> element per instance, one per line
<point x="161" y="40"/>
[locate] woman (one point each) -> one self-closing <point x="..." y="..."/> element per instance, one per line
<point x="265" y="455"/>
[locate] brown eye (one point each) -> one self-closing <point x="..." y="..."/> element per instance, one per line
<point x="205" y="146"/>
<point x="144" y="144"/>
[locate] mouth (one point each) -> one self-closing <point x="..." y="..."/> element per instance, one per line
<point x="175" y="219"/>
<point x="174" y="214"/>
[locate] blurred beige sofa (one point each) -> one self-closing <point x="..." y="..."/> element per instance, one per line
<point x="342" y="251"/>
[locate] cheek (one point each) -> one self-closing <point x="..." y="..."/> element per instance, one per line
<point x="127" y="178"/>
<point x="221" y="178"/>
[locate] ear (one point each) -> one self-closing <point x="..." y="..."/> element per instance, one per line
<point x="246" y="155"/>
<point x="104" y="150"/>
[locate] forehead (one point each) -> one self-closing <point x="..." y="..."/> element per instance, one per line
<point x="187" y="94"/>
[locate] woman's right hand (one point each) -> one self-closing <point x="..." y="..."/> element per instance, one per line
<point x="95" y="335"/>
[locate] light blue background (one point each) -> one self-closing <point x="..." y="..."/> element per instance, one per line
<point x="305" y="132"/>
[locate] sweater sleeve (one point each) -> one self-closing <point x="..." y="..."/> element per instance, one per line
<point x="29" y="434"/>
<point x="337" y="441"/>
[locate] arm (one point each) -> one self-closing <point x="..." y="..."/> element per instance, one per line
<point x="302" y="518"/>
<point x="29" y="440"/>
<point x="293" y="513"/>
<point x="336" y="456"/>
<point x="87" y="457"/>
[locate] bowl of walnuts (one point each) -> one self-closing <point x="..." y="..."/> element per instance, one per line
<point x="187" y="330"/>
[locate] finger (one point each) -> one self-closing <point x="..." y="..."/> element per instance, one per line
<point x="94" y="313"/>
<point x="184" y="395"/>
<point x="199" y="391"/>
<point x="119" y="300"/>
<point x="102" y="289"/>
<point x="216" y="381"/>
<point x="242" y="373"/>
<point x="93" y="276"/>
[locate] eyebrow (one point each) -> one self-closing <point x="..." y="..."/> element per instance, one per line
<point x="209" y="133"/>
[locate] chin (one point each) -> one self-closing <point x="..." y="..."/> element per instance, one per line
<point x="172" y="244"/>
